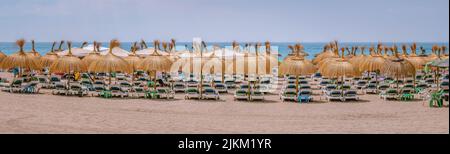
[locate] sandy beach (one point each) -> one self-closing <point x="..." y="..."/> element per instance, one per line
<point x="47" y="113"/>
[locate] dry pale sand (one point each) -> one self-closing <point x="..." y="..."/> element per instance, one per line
<point x="45" y="113"/>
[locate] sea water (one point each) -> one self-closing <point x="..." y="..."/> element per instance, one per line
<point x="311" y="48"/>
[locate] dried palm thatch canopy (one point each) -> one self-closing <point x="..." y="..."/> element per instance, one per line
<point x="296" y="50"/>
<point x="329" y="51"/>
<point x="68" y="63"/>
<point x="110" y="63"/>
<point x="297" y="66"/>
<point x="338" y="68"/>
<point x="444" y="52"/>
<point x="33" y="51"/>
<point x="20" y="59"/>
<point x="331" y="59"/>
<point x="435" y="53"/>
<point x="398" y="68"/>
<point x="155" y="62"/>
<point x="415" y="59"/>
<point x="357" y="60"/>
<point x="93" y="56"/>
<point x="48" y="59"/>
<point x="2" y="56"/>
<point x="133" y="60"/>
<point x="373" y="63"/>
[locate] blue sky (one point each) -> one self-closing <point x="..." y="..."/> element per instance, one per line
<point x="226" y="20"/>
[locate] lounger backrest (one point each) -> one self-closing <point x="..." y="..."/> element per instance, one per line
<point x="115" y="88"/>
<point x="333" y="93"/>
<point x="350" y="92"/>
<point x="392" y="91"/>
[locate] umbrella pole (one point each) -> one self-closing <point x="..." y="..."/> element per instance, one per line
<point x="397" y="83"/>
<point x="154" y="85"/>
<point x="437" y="79"/>
<point x="296" y="83"/>
<point x="414" y="80"/>
<point x="68" y="80"/>
<point x="342" y="83"/>
<point x="376" y="78"/>
<point x="132" y="78"/>
<point x="249" y="89"/>
<point x="110" y="76"/>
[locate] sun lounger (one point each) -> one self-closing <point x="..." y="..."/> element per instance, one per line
<point x="288" y="96"/>
<point x="383" y="87"/>
<point x="209" y="93"/>
<point x="334" y="95"/>
<point x="230" y="84"/>
<point x="350" y="95"/>
<point x="371" y="89"/>
<point x="329" y="88"/>
<point x="16" y="86"/>
<point x="240" y="95"/>
<point x="361" y="84"/>
<point x="192" y="93"/>
<point x="256" y="95"/>
<point x="304" y="96"/>
<point x="179" y="87"/>
<point x="221" y="88"/>
<point x="98" y="89"/>
<point x="406" y="94"/>
<point x="60" y="88"/>
<point x="389" y="94"/>
<point x="165" y="93"/>
<point x="53" y="81"/>
<point x="44" y="82"/>
<point x="138" y="92"/>
<point x="76" y="89"/>
<point x="116" y="91"/>
<point x="125" y="86"/>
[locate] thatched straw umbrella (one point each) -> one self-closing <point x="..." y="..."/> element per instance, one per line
<point x="434" y="53"/>
<point x="93" y="56"/>
<point x="117" y="51"/>
<point x="2" y="56"/>
<point x="297" y="66"/>
<point x="329" y="51"/>
<point x="415" y="59"/>
<point x="444" y="52"/>
<point x="357" y="60"/>
<point x="110" y="63"/>
<point x="68" y="64"/>
<point x="331" y="59"/>
<point x="20" y="60"/>
<point x="133" y="60"/>
<point x="48" y="59"/>
<point x="155" y="63"/>
<point x="398" y="68"/>
<point x="350" y="53"/>
<point x="33" y="51"/>
<point x="373" y="64"/>
<point x="339" y="68"/>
